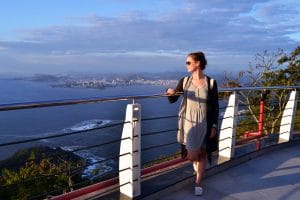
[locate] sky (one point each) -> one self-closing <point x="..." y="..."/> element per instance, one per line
<point x="120" y="36"/>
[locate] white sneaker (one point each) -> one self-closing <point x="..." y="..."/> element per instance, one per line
<point x="198" y="191"/>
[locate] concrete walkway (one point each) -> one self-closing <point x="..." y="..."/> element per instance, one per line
<point x="273" y="175"/>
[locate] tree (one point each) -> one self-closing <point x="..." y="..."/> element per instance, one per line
<point x="293" y="73"/>
<point x="269" y="69"/>
<point x="27" y="182"/>
<point x="40" y="173"/>
<point x="293" y="68"/>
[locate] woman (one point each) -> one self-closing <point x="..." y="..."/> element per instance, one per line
<point x="198" y="114"/>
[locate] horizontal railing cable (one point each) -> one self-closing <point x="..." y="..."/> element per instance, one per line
<point x="229" y="127"/>
<point x="156" y="118"/>
<point x="238" y="89"/>
<point x="223" y="149"/>
<point x="255" y="139"/>
<point x="223" y="108"/>
<point x="77" y="186"/>
<point x="161" y="159"/>
<point x="249" y="114"/>
<point x="248" y="124"/>
<point x="122" y="170"/>
<point x="276" y="118"/>
<point x="64" y="102"/>
<point x="271" y="119"/>
<point x="102" y="196"/>
<point x="221" y="118"/>
<point x="158" y="132"/>
<point x="61" y="135"/>
<point x="265" y="121"/>
<point x="99" y="145"/>
<point x="29" y="105"/>
<point x="223" y="139"/>
<point x="158" y="146"/>
<point x="255" y="113"/>
<point x="65" y="171"/>
<point x="84" y="183"/>
<point x="272" y="102"/>
<point x="265" y="127"/>
<point x="246" y="105"/>
<point x="159" y="172"/>
<point x="95" y="100"/>
<point x="75" y="150"/>
<point x="257" y="105"/>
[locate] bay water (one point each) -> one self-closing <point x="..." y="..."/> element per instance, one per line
<point x="25" y="124"/>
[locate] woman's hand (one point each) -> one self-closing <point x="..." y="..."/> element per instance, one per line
<point x="213" y="132"/>
<point x="170" y="91"/>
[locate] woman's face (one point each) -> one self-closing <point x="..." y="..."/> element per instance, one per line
<point x="191" y="64"/>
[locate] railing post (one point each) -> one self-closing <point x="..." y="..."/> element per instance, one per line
<point x="130" y="154"/>
<point x="288" y="118"/>
<point x="228" y="130"/>
<point x="260" y="122"/>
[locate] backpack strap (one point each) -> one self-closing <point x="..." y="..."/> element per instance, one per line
<point x="185" y="80"/>
<point x="210" y="83"/>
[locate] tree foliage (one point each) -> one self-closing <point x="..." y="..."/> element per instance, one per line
<point x="39" y="176"/>
<point x="292" y="70"/>
<point x="269" y="69"/>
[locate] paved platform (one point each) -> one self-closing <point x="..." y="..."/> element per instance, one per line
<point x="272" y="175"/>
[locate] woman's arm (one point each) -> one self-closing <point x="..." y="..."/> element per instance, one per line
<point x="179" y="88"/>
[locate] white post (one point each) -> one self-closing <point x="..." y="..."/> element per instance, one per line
<point x="130" y="154"/>
<point x="288" y="118"/>
<point x="228" y="130"/>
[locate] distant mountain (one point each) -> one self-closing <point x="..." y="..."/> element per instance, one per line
<point x="46" y="78"/>
<point x="109" y="77"/>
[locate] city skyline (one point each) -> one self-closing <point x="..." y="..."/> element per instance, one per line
<point x="123" y="36"/>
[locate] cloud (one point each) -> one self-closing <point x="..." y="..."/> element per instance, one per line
<point x="284" y="11"/>
<point x="2" y="48"/>
<point x="224" y="30"/>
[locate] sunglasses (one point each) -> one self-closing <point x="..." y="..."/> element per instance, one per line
<point x="188" y="63"/>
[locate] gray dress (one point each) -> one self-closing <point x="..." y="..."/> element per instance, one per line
<point x="195" y="124"/>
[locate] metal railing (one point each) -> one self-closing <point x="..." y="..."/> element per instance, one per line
<point x="129" y="175"/>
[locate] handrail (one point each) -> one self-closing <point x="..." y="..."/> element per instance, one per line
<point x="235" y="91"/>
<point x="61" y="135"/>
<point x="40" y="104"/>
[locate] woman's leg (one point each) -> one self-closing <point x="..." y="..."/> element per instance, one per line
<point x="201" y="164"/>
<point x="196" y="156"/>
<point x="193" y="155"/>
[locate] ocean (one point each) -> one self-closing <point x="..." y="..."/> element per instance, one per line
<point x="38" y="122"/>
